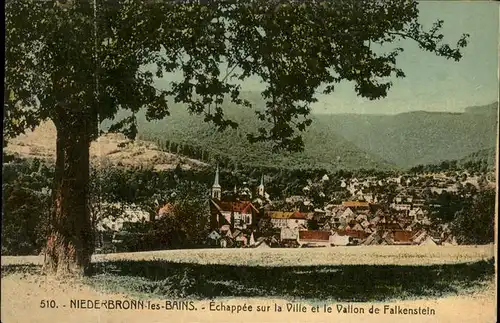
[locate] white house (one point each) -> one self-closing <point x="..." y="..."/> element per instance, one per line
<point x="292" y="220"/>
<point x="416" y="214"/>
<point x="423" y="238"/>
<point x="347" y="216"/>
<point x="251" y="241"/>
<point x="239" y="214"/>
<point x="401" y="206"/>
<point x="261" y="243"/>
<point x="125" y="213"/>
<point x="428" y="241"/>
<point x="361" y="218"/>
<point x="357" y="227"/>
<point x="339" y="240"/>
<point x="214" y="235"/>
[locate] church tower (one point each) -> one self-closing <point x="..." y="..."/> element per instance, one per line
<point x="216" y="188"/>
<point x="260" y="188"/>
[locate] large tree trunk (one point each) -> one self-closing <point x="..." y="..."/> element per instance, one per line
<point x="70" y="243"/>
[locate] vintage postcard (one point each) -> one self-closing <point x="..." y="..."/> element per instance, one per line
<point x="250" y="161"/>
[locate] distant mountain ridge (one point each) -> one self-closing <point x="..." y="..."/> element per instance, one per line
<point x="488" y="155"/>
<point x="485" y="109"/>
<point x="343" y="141"/>
<point x="419" y="137"/>
<point x="323" y="149"/>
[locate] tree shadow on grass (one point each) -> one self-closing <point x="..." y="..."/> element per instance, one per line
<point x="30" y="269"/>
<point x="358" y="283"/>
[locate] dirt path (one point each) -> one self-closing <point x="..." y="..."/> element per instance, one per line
<point x="22" y="295"/>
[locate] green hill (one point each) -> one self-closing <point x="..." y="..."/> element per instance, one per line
<point x="413" y="138"/>
<point x="324" y="149"/>
<point x="339" y="141"/>
<point x="487" y="155"/>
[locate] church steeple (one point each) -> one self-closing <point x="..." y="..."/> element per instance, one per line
<point x="260" y="189"/>
<point x="216" y="188"/>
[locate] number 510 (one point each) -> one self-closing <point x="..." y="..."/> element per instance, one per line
<point x="48" y="303"/>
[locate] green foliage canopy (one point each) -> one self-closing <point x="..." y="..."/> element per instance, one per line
<point x="26" y="197"/>
<point x="475" y="223"/>
<point x="91" y="60"/>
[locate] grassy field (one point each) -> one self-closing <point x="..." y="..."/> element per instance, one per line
<point x="354" y="283"/>
<point x="354" y="255"/>
<point x="359" y="274"/>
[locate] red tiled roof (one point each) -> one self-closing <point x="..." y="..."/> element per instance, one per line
<point x="390" y="226"/>
<point x="300" y="215"/>
<point x="241" y="207"/>
<point x="402" y="236"/>
<point x="314" y="235"/>
<point x="167" y="208"/>
<point x="353" y="233"/>
<point x="287" y="215"/>
<point x="355" y="204"/>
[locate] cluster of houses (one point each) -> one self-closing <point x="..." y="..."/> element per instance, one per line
<point x="242" y="220"/>
<point x="245" y="217"/>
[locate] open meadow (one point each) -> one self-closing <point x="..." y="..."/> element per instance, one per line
<point x="441" y="277"/>
<point x="277" y="257"/>
<point x="363" y="273"/>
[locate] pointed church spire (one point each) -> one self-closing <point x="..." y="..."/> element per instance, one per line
<point x="260" y="189"/>
<point x="216" y="181"/>
<point x="216" y="188"/>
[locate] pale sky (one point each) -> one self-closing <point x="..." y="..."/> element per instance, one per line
<point x="433" y="83"/>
